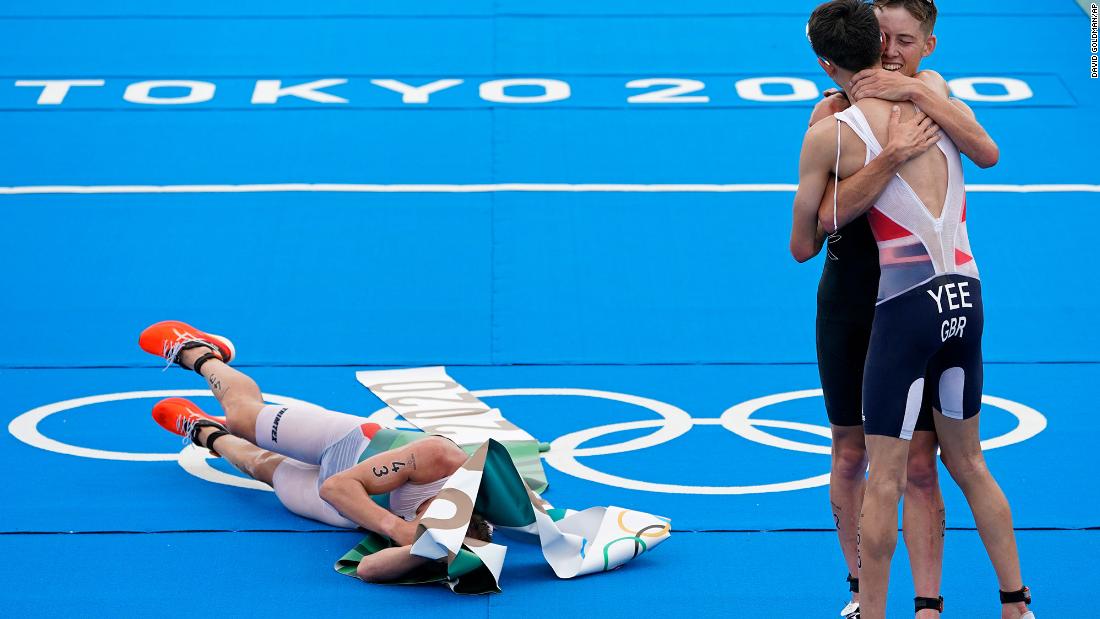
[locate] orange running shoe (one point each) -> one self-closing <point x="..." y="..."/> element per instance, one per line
<point x="183" y="417"/>
<point x="169" y="338"/>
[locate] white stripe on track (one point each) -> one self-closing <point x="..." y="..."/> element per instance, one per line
<point x="481" y="188"/>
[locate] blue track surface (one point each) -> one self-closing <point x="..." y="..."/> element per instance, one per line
<point x="688" y="299"/>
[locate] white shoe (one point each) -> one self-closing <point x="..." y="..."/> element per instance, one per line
<point x="851" y="611"/>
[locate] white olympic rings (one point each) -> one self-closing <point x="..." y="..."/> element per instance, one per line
<point x="564" y="450"/>
<point x="193" y="460"/>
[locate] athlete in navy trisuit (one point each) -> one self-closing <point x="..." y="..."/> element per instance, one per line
<point x="925" y="342"/>
<point x="849" y="282"/>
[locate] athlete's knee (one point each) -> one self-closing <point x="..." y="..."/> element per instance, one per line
<point x="262" y="467"/>
<point x="236" y="424"/>
<point x="242" y="404"/>
<point x="850" y="461"/>
<point x="965" y="467"/>
<point x="849" y="452"/>
<point x="241" y="412"/>
<point x="885" y="486"/>
<point x="923" y="473"/>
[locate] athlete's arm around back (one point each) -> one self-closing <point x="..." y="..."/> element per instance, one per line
<point x="857" y="194"/>
<point x="930" y="92"/>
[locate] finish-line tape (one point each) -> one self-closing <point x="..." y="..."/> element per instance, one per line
<point x="481" y="188"/>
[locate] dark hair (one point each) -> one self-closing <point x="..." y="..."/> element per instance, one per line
<point x="923" y="11"/>
<point x="846" y="33"/>
<point x="480" y="528"/>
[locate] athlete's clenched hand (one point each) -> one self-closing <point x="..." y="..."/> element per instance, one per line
<point x="405" y="532"/>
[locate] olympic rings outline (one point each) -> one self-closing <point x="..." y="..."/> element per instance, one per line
<point x="737" y="419"/>
<point x="642" y="532"/>
<point x="193" y="460"/>
<point x="564" y="450"/>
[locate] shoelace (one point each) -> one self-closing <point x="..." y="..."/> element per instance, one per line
<point x="186" y="425"/>
<point x="171" y="350"/>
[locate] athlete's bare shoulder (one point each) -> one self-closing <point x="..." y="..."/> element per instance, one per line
<point x="822" y="126"/>
<point x="820" y="140"/>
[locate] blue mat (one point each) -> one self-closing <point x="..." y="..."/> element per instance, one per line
<point x="245" y="574"/>
<point x="688" y="300"/>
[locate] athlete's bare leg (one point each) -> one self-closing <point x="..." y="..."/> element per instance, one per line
<point x="878" y="525"/>
<point x="238" y="394"/>
<point x="923" y="518"/>
<point x="962" y="454"/>
<point x="256" y="462"/>
<point x="846" y="481"/>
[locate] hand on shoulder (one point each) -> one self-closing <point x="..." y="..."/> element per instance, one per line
<point x="833" y="102"/>
<point x="882" y="84"/>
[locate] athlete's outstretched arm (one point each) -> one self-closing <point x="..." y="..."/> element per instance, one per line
<point x="815" y="166"/>
<point x="857" y="193"/>
<point x="929" y="91"/>
<point x="423" y="461"/>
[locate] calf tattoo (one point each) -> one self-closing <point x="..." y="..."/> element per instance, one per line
<point x="216" y="385"/>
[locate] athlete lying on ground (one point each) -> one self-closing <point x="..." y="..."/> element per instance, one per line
<point x="309" y="455"/>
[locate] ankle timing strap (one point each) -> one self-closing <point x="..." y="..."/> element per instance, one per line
<point x="213" y="437"/>
<point x="1015" y="597"/>
<point x="853" y="584"/>
<point x="203" y="359"/>
<point x="920" y="603"/>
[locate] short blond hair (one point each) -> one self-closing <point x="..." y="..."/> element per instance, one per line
<point x="923" y="11"/>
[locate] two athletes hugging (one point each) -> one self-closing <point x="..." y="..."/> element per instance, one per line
<point x="900" y="318"/>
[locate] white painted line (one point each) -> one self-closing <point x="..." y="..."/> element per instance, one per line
<point x="1034" y="188"/>
<point x="482" y="188"/>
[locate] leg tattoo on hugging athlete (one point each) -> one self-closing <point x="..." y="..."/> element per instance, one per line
<point x="836" y="514"/>
<point x="859" y="550"/>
